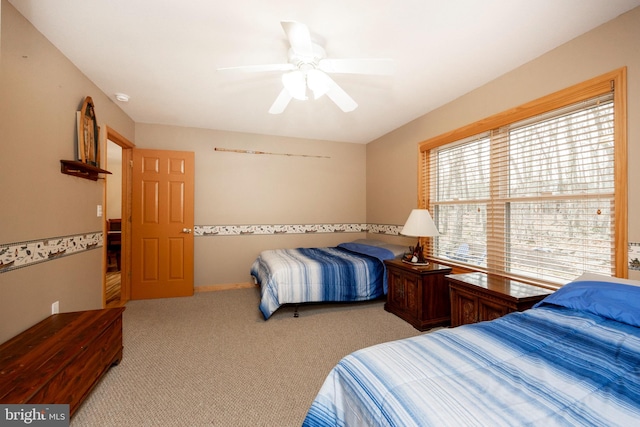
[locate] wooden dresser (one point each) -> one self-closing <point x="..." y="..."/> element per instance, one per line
<point x="476" y="297"/>
<point x="419" y="295"/>
<point x="60" y="359"/>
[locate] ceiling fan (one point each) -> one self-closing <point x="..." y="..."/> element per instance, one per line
<point x="308" y="68"/>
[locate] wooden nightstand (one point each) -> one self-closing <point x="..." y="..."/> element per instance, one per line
<point x="476" y="297"/>
<point x="419" y="295"/>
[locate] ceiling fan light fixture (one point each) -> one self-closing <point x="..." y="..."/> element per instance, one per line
<point x="309" y="68"/>
<point x="318" y="82"/>
<point x="296" y="84"/>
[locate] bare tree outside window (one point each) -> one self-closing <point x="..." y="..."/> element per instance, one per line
<point x="534" y="199"/>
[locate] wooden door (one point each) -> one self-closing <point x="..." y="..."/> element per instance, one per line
<point x="162" y="224"/>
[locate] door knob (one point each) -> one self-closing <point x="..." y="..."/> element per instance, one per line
<point x="186" y="230"/>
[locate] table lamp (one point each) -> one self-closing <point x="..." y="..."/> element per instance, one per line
<point x="419" y="224"/>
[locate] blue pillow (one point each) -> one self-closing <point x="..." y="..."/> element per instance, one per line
<point x="374" y="251"/>
<point x="617" y="301"/>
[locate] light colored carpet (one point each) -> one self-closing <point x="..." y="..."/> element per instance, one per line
<point x="211" y="360"/>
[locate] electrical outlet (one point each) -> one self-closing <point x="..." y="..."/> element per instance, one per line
<point x="55" y="307"/>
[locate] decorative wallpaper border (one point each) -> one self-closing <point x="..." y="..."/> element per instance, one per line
<point x="24" y="254"/>
<point x="634" y="256"/>
<point x="237" y="230"/>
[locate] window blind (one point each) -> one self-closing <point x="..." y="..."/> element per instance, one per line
<point x="530" y="199"/>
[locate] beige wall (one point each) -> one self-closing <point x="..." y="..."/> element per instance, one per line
<point x="260" y="189"/>
<point x="611" y="46"/>
<point x="40" y="92"/>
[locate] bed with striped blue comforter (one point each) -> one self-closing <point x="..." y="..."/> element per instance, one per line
<point x="347" y="272"/>
<point x="573" y="360"/>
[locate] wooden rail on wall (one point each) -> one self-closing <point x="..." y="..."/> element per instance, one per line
<point x="231" y="150"/>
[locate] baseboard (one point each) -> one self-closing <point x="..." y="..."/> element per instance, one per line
<point x="223" y="287"/>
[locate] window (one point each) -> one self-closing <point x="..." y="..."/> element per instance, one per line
<point x="538" y="192"/>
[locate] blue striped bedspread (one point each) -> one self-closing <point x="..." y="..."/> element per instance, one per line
<point x="548" y="366"/>
<point x="291" y="276"/>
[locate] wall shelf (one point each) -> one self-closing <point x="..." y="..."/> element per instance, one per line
<point x="81" y="169"/>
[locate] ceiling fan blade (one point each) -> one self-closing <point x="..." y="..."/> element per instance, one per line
<point x="259" y="68"/>
<point x="281" y="102"/>
<point x="381" y="67"/>
<point x="340" y="97"/>
<point x="299" y="37"/>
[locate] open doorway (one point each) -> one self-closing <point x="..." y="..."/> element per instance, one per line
<point x="117" y="224"/>
<point x="113" y="241"/>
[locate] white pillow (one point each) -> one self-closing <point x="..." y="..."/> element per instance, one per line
<point x="600" y="278"/>
<point x="397" y="250"/>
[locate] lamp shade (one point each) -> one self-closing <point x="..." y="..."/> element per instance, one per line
<point x="420" y="224"/>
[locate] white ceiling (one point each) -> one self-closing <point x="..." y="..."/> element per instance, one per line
<point x="164" y="54"/>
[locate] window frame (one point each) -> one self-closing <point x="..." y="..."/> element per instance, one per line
<point x="571" y="95"/>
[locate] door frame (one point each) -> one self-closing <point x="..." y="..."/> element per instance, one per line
<point x="125" y="260"/>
